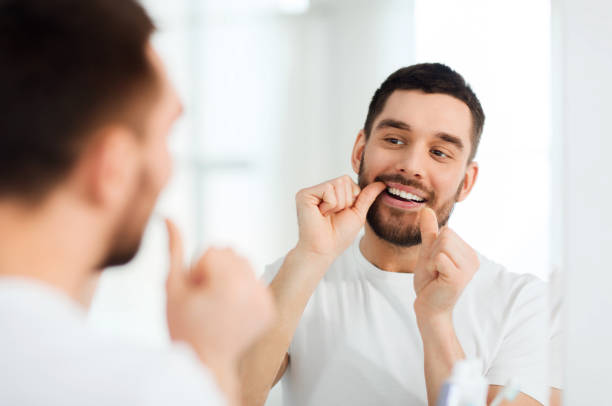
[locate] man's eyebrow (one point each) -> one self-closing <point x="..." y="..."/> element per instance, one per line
<point x="451" y="139"/>
<point x="400" y="125"/>
<point x="389" y="122"/>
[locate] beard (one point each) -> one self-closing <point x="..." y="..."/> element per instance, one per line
<point x="127" y="236"/>
<point x="397" y="226"/>
<point x="125" y="246"/>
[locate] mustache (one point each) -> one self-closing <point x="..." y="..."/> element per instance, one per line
<point x="397" y="178"/>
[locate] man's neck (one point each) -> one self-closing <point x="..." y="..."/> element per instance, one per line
<point x="386" y="256"/>
<point x="53" y="244"/>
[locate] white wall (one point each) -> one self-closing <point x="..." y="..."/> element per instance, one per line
<point x="502" y="50"/>
<point x="584" y="45"/>
<point x="343" y="51"/>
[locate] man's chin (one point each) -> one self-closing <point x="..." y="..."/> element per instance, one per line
<point x="400" y="233"/>
<point x="402" y="238"/>
<point x="408" y="218"/>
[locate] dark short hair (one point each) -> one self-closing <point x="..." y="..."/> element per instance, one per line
<point x="68" y="67"/>
<point x="429" y="78"/>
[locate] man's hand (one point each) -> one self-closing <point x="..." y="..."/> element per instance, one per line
<point x="445" y="266"/>
<point x="218" y="306"/>
<point x="329" y="217"/>
<point x="331" y="214"/>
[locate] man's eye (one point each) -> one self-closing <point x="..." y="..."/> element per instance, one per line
<point x="439" y="153"/>
<point x="394" y="141"/>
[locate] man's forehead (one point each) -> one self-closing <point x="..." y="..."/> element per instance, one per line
<point x="428" y="112"/>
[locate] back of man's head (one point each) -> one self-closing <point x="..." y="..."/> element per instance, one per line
<point x="68" y="67"/>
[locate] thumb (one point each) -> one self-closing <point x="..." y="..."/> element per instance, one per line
<point x="175" y="248"/>
<point x="367" y="197"/>
<point x="428" y="224"/>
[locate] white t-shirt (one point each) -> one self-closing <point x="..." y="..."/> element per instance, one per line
<point x="48" y="356"/>
<point x="358" y="343"/>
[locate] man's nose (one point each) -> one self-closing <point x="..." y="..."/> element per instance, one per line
<point x="412" y="162"/>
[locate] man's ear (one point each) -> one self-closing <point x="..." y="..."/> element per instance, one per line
<point x="358" y="149"/>
<point x="109" y="166"/>
<point x="469" y="179"/>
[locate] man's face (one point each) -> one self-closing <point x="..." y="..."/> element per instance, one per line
<point x="155" y="169"/>
<point x="419" y="147"/>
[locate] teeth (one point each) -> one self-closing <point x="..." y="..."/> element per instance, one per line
<point x="404" y="195"/>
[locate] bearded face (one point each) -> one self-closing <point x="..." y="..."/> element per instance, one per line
<point x="395" y="225"/>
<point x="153" y="172"/>
<point x="420" y="146"/>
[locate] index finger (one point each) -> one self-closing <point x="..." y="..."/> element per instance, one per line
<point x="428" y="224"/>
<point x="175" y="248"/>
<point x="367" y="197"/>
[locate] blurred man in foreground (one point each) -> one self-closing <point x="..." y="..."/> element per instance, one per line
<point x="86" y="110"/>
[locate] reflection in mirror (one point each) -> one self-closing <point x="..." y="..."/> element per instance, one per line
<point x="275" y="99"/>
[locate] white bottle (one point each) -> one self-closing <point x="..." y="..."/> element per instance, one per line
<point x="466" y="385"/>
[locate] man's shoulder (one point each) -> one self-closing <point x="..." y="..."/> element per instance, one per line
<point x="493" y="272"/>
<point x="168" y="374"/>
<point x="495" y="281"/>
<point x="119" y="370"/>
<point x="58" y="341"/>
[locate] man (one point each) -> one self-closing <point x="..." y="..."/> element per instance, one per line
<point x="382" y="319"/>
<point x="86" y="110"/>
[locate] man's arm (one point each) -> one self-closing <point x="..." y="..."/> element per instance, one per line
<point x="442" y="350"/>
<point x="265" y="362"/>
<point x="329" y="217"/>
<point x="520" y="400"/>
<point x="555" y="396"/>
<point x="445" y="266"/>
<point x="281" y="370"/>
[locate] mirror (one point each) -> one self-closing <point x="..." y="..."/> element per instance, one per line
<point x="277" y="91"/>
